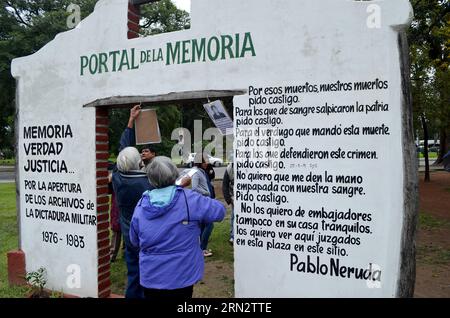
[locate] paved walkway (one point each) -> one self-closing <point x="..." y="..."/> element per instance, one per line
<point x="7" y="174"/>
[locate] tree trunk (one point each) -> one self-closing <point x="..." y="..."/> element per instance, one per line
<point x="425" y="148"/>
<point x="443" y="147"/>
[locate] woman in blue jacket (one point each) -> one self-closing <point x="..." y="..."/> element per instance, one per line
<point x="166" y="229"/>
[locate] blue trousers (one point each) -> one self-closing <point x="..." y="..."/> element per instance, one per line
<point x="205" y="234"/>
<point x="134" y="288"/>
<point x="232" y="223"/>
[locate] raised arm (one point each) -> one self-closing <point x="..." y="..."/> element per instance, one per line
<point x="213" y="210"/>
<point x="205" y="209"/>
<point x="197" y="181"/>
<point x="128" y="138"/>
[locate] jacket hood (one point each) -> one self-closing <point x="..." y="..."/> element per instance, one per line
<point x="152" y="210"/>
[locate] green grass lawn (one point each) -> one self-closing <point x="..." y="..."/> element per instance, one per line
<point x="9" y="241"/>
<point x="429" y="222"/>
<point x="7" y="162"/>
<point x="8" y="238"/>
<point x="119" y="275"/>
<point x="431" y="155"/>
<point x="223" y="250"/>
<point x="432" y="254"/>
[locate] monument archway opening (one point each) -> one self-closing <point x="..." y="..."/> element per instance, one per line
<point x="103" y="108"/>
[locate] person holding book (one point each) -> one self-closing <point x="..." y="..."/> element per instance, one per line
<point x="128" y="138"/>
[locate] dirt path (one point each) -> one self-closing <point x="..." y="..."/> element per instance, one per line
<point x="435" y="195"/>
<point x="433" y="247"/>
<point x="433" y="239"/>
<point x="218" y="281"/>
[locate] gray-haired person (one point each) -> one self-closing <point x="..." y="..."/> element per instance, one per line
<point x="166" y="229"/>
<point x="202" y="184"/>
<point x="129" y="183"/>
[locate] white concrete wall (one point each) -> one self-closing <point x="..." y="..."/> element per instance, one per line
<point x="295" y="42"/>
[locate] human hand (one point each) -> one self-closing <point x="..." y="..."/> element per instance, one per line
<point x="135" y="111"/>
<point x="185" y="182"/>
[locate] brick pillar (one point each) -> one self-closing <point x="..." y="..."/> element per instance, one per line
<point x="16" y="268"/>
<point x="102" y="155"/>
<point x="134" y="15"/>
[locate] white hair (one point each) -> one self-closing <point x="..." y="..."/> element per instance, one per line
<point x="161" y="172"/>
<point x="128" y="159"/>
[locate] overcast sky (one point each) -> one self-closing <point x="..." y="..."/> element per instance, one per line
<point x="183" y="4"/>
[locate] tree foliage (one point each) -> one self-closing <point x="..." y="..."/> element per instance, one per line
<point x="160" y="17"/>
<point x="429" y="38"/>
<point x="163" y="16"/>
<point x="26" y="26"/>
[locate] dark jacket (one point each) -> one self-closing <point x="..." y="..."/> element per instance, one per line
<point x="228" y="184"/>
<point x="211" y="176"/>
<point x="211" y="173"/>
<point x="127" y="139"/>
<point x="129" y="188"/>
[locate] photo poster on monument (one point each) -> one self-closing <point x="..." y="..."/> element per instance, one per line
<point x="220" y="117"/>
<point x="147" y="128"/>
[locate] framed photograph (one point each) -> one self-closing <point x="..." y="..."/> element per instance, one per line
<point x="220" y="117"/>
<point x="147" y="128"/>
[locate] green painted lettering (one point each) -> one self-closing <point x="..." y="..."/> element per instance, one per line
<point x="84" y="63"/>
<point x="248" y="45"/>
<point x="160" y="55"/>
<point x="149" y="56"/>
<point x="144" y="55"/>
<point x="213" y="55"/>
<point x="227" y="43"/>
<point x="198" y="51"/>
<point x="238" y="45"/>
<point x="185" y="50"/>
<point x="93" y="64"/>
<point x="133" y="60"/>
<point x="124" y="61"/>
<point x="102" y="64"/>
<point x="173" y="53"/>
<point x="114" y="55"/>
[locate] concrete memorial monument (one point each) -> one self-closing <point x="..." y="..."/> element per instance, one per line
<point x="325" y="186"/>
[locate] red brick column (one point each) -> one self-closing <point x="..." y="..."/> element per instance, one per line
<point x="134" y="15"/>
<point x="102" y="155"/>
<point x="16" y="268"/>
